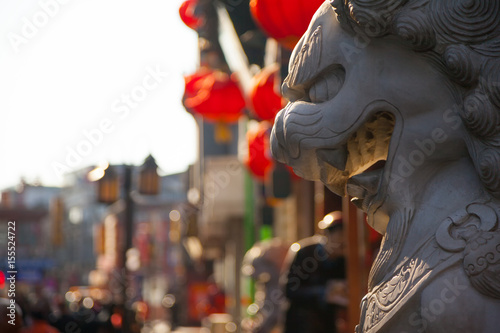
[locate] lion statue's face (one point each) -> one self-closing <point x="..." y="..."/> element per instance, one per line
<point x="371" y="118"/>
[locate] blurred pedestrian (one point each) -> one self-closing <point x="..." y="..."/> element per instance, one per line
<point x="39" y="320"/>
<point x="263" y="262"/>
<point x="314" y="280"/>
<point x="61" y="318"/>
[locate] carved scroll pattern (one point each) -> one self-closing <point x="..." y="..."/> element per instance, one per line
<point x="470" y="236"/>
<point x="380" y="305"/>
<point x="475" y="234"/>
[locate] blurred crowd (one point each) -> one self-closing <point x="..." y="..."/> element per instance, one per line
<point x="34" y="313"/>
<point x="299" y="288"/>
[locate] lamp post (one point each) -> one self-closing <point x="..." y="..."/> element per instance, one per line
<point x="149" y="180"/>
<point x="109" y="192"/>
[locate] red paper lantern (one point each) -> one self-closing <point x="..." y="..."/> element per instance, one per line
<point x="265" y="98"/>
<point x="214" y="95"/>
<point x="284" y="20"/>
<point x="259" y="159"/>
<point x="187" y="14"/>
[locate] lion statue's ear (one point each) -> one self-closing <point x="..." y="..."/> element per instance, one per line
<point x="474" y="232"/>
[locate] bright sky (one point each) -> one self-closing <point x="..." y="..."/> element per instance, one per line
<point x="86" y="81"/>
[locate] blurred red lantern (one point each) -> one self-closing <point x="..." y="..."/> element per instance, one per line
<point x="265" y="97"/>
<point x="259" y="158"/>
<point x="187" y="14"/>
<point x="284" y="20"/>
<point x="214" y="95"/>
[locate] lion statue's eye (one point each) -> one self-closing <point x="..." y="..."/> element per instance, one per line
<point x="327" y="85"/>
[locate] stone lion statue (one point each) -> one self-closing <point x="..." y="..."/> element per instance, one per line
<point x="397" y="104"/>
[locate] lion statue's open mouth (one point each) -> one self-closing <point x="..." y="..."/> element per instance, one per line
<point x="367" y="151"/>
<point x="355" y="166"/>
<point x="352" y="161"/>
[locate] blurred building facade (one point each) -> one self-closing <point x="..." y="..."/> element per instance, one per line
<point x="30" y="207"/>
<point x="66" y="238"/>
<point x="234" y="208"/>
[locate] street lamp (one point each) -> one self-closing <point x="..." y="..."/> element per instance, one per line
<point x="149" y="180"/>
<point x="108" y="186"/>
<point x="109" y="192"/>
